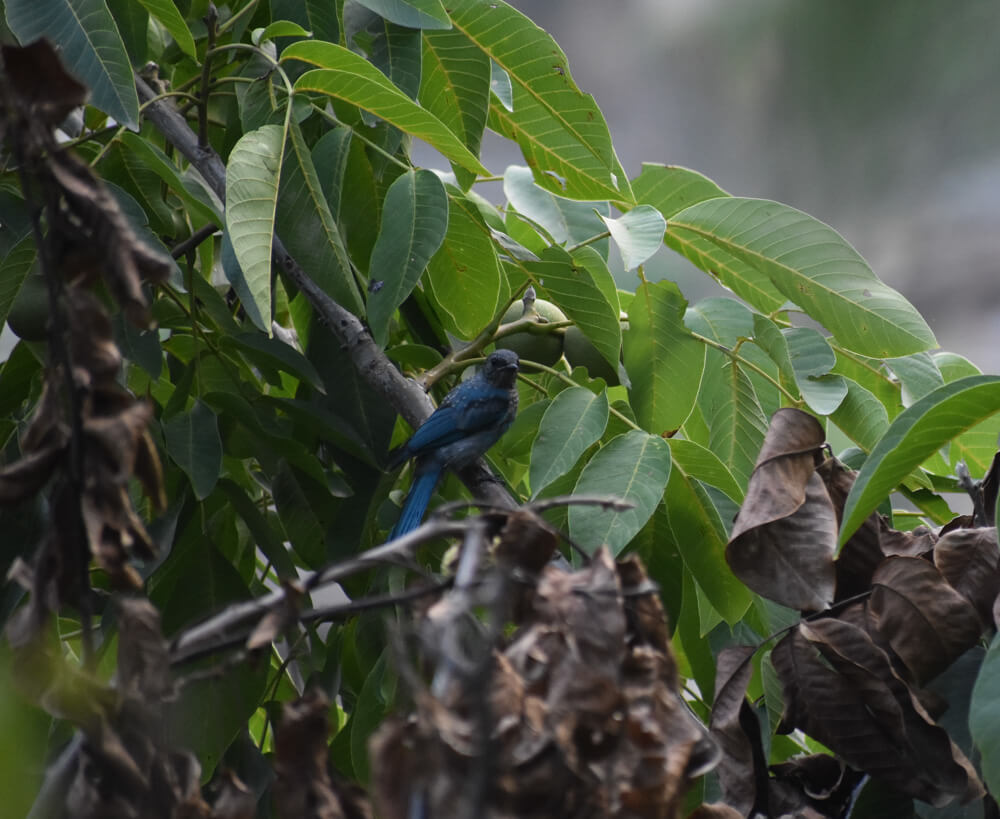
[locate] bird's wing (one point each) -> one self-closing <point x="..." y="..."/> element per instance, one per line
<point x="458" y="416"/>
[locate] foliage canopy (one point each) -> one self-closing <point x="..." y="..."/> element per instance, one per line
<point x="218" y="271"/>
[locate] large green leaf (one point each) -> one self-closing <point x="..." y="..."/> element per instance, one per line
<point x="815" y="267"/>
<point x="560" y="130"/>
<point x="734" y="416"/>
<point x="745" y="281"/>
<point x="576" y="292"/>
<point x="984" y="715"/>
<point x="638" y="234"/>
<point x="663" y="360"/>
<point x="696" y="529"/>
<point x="670" y="189"/>
<point x="194" y="444"/>
<point x="455" y="84"/>
<point x="307" y="228"/>
<point x="251" y="201"/>
<point x="350" y="77"/>
<point x="634" y="467"/>
<point x="414" y="225"/>
<point x="410" y="13"/>
<point x="166" y="12"/>
<point x="572" y="422"/>
<point x="90" y="46"/>
<point x="914" y="436"/>
<point x="464" y="275"/>
<point x="565" y="220"/>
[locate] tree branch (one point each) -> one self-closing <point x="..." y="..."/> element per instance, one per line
<point x="371" y="363"/>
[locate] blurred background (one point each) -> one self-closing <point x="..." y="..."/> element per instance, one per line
<point x="880" y="119"/>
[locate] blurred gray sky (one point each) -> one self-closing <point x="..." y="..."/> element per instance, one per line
<point x="881" y="119"/>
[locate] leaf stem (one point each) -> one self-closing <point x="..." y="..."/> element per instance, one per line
<point x="735" y="356"/>
<point x="596" y="238"/>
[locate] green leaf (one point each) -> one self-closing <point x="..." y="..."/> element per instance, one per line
<point x="350" y="77"/>
<point x="294" y="496"/>
<point x="166" y="12"/>
<point x="861" y="416"/>
<point x="500" y="86"/>
<point x="734" y="416"/>
<point x="663" y="360"/>
<point x="914" y="436"/>
<point x="984" y="715"/>
<point x="455" y="84"/>
<point x="721" y="319"/>
<point x="670" y="189"/>
<point x="464" y="275"/>
<point x="270" y="352"/>
<point x="14" y="269"/>
<point x="573" y="289"/>
<point x="90" y="46"/>
<point x="264" y="536"/>
<point x="574" y="420"/>
<point x="323" y="19"/>
<point x="279" y="28"/>
<point x="560" y="130"/>
<point x="700" y="463"/>
<point x="153" y="158"/>
<point x="413" y="228"/>
<point x="565" y="220"/>
<point x="918" y="375"/>
<point x="698" y="532"/>
<point x="812" y="264"/>
<point x="194" y="444"/>
<point x="251" y="201"/>
<point x="638" y="234"/>
<point x="307" y="227"/>
<point x="429" y="14"/>
<point x="812" y="359"/>
<point x="634" y="467"/>
<point x="749" y="284"/>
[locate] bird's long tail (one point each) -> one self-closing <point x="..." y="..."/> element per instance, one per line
<point x="416" y="501"/>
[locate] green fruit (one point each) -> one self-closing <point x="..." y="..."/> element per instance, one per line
<point x="580" y="352"/>
<point x="545" y="348"/>
<point x="29" y="314"/>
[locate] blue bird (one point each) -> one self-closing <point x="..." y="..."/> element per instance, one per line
<point x="469" y="420"/>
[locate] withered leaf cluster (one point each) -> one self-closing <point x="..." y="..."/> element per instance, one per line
<point x="120" y="766"/>
<point x="88" y="436"/>
<point x="578" y="714"/>
<point x="882" y="619"/>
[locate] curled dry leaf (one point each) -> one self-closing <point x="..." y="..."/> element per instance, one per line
<point x="840" y="688"/>
<point x="785" y="534"/>
<point x="927" y="623"/>
<point x="303" y="786"/>
<point x="736" y="770"/>
<point x="583" y="711"/>
<point x="970" y="561"/>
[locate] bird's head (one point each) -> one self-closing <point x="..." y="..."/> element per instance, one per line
<point x="500" y="368"/>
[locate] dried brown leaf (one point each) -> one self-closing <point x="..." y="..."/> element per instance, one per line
<point x="970" y="561"/>
<point x="143" y="657"/>
<point x="927" y="623"/>
<point x="862" y="710"/>
<point x="40" y="83"/>
<point x="303" y="786"/>
<point x="24" y="477"/>
<point x="736" y="773"/>
<point x="785" y="534"/>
